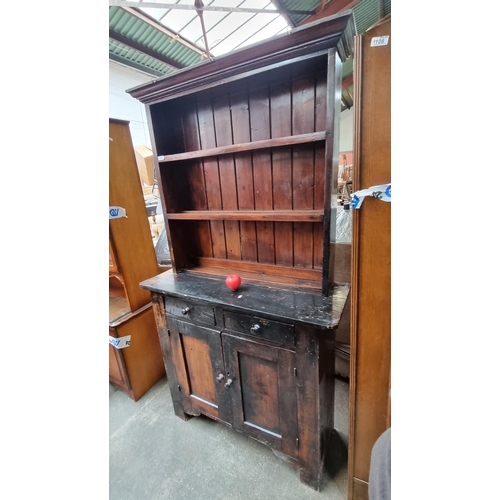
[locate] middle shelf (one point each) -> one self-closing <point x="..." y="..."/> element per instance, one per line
<point x="292" y="140"/>
<point x="250" y="215"/>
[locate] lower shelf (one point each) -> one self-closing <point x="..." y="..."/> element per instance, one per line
<point x="287" y="277"/>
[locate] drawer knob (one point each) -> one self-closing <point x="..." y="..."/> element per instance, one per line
<point x="229" y="382"/>
<point x="255" y="328"/>
<point x="186" y="310"/>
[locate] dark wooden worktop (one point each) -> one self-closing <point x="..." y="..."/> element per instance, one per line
<point x="303" y="307"/>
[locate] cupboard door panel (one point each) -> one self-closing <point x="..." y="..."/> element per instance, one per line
<point x="259" y="408"/>
<point x="197" y="358"/>
<point x="199" y="368"/>
<point x="263" y="392"/>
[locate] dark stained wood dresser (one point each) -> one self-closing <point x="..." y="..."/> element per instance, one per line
<point x="246" y="147"/>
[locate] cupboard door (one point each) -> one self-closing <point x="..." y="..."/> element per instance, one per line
<point x="262" y="387"/>
<point x="197" y="359"/>
<point x="117" y="369"/>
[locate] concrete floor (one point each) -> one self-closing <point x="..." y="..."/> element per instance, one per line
<point x="155" y="455"/>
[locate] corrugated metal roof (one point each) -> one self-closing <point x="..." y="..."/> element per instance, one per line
<point x="149" y="36"/>
<point x="300" y="5"/>
<point x="366" y="13"/>
<point x="136" y="30"/>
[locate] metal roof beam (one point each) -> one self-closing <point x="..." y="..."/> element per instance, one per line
<point x="199" y="10"/>
<point x="139" y="67"/>
<point x="283" y="11"/>
<point x="347" y="82"/>
<point x="331" y="8"/>
<point x="160" y="5"/>
<point x="118" y="37"/>
<point x="150" y="21"/>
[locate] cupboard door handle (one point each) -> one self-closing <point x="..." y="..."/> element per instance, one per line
<point x="255" y="328"/>
<point x="186" y="310"/>
<point x="220" y="377"/>
<point x="229" y="382"/>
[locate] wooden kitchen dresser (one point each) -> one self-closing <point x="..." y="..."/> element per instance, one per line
<point x="246" y="147"/>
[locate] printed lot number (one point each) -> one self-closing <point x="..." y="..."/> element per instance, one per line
<point x="378" y="41"/>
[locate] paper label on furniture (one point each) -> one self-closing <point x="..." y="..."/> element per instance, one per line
<point x="378" y="41"/>
<point x="382" y="192"/>
<point x="117" y="212"/>
<point x="121" y="342"/>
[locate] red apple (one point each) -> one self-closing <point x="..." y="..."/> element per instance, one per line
<point x="233" y="281"/>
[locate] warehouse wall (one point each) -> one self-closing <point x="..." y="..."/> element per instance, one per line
<point x="346" y="129"/>
<point x="123" y="106"/>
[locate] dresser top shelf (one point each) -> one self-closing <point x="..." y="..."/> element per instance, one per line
<point x="301" y="307"/>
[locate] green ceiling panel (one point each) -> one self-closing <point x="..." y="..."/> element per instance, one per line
<point x="138" y="31"/>
<point x="300" y="5"/>
<point x="366" y="13"/>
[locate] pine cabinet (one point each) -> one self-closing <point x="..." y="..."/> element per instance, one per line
<point x="246" y="150"/>
<point x="136" y="368"/>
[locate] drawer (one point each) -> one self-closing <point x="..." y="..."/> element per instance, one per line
<point x="189" y="311"/>
<point x="267" y="329"/>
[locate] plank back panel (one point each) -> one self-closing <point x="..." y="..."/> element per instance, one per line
<point x="319" y="168"/>
<point x="263" y="183"/>
<point x="167" y="133"/>
<point x="212" y="179"/>
<point x="229" y="199"/>
<point x="303" y="101"/>
<point x="196" y="176"/>
<point x="240" y="116"/>
<point x="281" y="125"/>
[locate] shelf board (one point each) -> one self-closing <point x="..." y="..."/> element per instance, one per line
<point x="247" y="146"/>
<point x="258" y="278"/>
<point x="261" y="269"/>
<point x="118" y="307"/>
<point x="250" y="215"/>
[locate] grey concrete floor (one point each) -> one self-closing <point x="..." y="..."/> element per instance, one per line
<point x="155" y="455"/>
